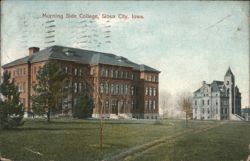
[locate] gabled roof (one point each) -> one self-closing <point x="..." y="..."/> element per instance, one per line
<point x="217" y="85"/>
<point x="80" y="56"/>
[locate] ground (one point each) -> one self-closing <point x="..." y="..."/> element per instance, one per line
<point x="168" y="140"/>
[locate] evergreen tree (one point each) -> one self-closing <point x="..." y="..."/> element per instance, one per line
<point x="11" y="110"/>
<point x="84" y="106"/>
<point x="52" y="86"/>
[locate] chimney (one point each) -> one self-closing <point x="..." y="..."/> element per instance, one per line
<point x="33" y="50"/>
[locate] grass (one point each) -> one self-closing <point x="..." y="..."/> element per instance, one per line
<point x="73" y="140"/>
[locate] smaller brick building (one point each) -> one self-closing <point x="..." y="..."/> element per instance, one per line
<point x="124" y="88"/>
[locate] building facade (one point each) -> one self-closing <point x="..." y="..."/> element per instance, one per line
<point x="121" y="88"/>
<point x="220" y="100"/>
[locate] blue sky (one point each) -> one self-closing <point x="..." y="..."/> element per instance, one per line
<point x="187" y="41"/>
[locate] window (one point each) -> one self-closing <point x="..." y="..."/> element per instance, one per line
<point x="66" y="69"/>
<point x="208" y="110"/>
<point x="154" y="93"/>
<point x="207" y="102"/>
<point x="146" y="91"/>
<point x="154" y="105"/>
<point x="80" y="87"/>
<point x="106" y="73"/>
<point x="112" y="89"/>
<point x="111" y="73"/>
<point x="24" y="71"/>
<point x="150" y="91"/>
<point x="195" y="102"/>
<point x="117" y="89"/>
<point x="102" y="72"/>
<point x="107" y="88"/>
<point x="101" y="88"/>
<point x="126" y="89"/>
<point x="150" y="104"/>
<point x="126" y="74"/>
<point x="133" y="76"/>
<point x="75" y="71"/>
<point x="75" y="87"/>
<point x="133" y="104"/>
<point x="116" y="74"/>
<point x="203" y="102"/>
<point x="132" y="90"/>
<point x="146" y="104"/>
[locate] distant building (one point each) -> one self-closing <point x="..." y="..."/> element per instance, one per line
<point x="245" y="112"/>
<point x="127" y="89"/>
<point x="220" y="100"/>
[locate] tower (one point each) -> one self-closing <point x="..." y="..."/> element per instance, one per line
<point x="230" y="92"/>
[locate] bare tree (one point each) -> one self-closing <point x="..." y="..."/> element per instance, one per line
<point x="165" y="102"/>
<point x="184" y="101"/>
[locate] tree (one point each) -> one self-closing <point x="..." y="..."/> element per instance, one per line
<point x="84" y="106"/>
<point x="52" y="87"/>
<point x="11" y="110"/>
<point x="165" y="102"/>
<point x="185" y="103"/>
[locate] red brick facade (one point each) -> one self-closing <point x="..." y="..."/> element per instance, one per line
<point x="122" y="91"/>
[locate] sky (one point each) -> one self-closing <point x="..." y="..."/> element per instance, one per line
<point x="188" y="41"/>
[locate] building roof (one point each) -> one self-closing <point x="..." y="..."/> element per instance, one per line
<point x="80" y="56"/>
<point x="229" y="72"/>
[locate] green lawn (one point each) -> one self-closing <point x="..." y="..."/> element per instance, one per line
<point x="72" y="140"/>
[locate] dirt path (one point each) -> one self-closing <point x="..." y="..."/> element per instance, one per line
<point x="140" y="149"/>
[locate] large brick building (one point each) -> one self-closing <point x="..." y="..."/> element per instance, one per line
<point x="125" y="89"/>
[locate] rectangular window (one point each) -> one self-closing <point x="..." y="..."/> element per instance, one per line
<point x="154" y="104"/>
<point x="80" y="87"/>
<point x="107" y="88"/>
<point x="154" y="92"/>
<point x="101" y="88"/>
<point x="132" y="90"/>
<point x="75" y="71"/>
<point x="195" y="102"/>
<point x="112" y="89"/>
<point x="102" y="72"/>
<point x="150" y="104"/>
<point x="207" y="102"/>
<point x="150" y="91"/>
<point x="126" y="89"/>
<point x="75" y="87"/>
<point x="106" y="73"/>
<point x="66" y="69"/>
<point x="24" y="71"/>
<point x="146" y="104"/>
<point x="111" y="73"/>
<point x="80" y="72"/>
